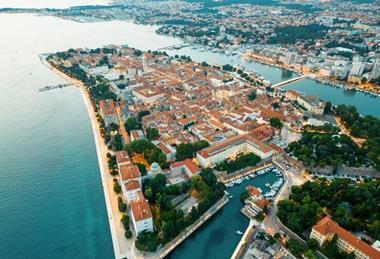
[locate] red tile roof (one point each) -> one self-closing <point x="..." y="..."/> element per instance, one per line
<point x="107" y="107"/>
<point x="132" y="185"/>
<point x="189" y="164"/>
<point x="140" y="209"/>
<point x="261" y="203"/>
<point x="252" y="190"/>
<point x="122" y="157"/>
<point x="327" y="225"/>
<point x="129" y="172"/>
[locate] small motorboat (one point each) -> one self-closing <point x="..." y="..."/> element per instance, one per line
<point x="239" y="232"/>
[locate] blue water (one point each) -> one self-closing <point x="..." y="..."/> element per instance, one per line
<point x="51" y="198"/>
<point x="217" y="238"/>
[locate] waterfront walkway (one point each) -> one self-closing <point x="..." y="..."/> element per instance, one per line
<point x="245" y="239"/>
<point x="164" y="251"/>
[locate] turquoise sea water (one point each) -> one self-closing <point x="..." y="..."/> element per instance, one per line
<point x="51" y="198"/>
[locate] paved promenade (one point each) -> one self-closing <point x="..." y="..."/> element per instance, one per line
<point x="122" y="246"/>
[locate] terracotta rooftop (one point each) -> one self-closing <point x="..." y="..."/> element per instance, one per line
<point x="327" y="225"/>
<point x="252" y="190"/>
<point x="236" y="140"/>
<point x="122" y="157"/>
<point x="189" y="164"/>
<point x="140" y="209"/>
<point x="261" y="203"/>
<point x="107" y="107"/>
<point x="129" y="172"/>
<point x="132" y="185"/>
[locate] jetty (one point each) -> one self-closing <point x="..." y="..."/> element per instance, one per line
<point x="51" y="87"/>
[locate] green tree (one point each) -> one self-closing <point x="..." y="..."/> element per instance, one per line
<point x="275" y="122"/>
<point x="147" y="241"/>
<point x="121" y="205"/>
<point x="132" y="124"/>
<point x="151" y="133"/>
<point x="116" y="187"/>
<point x="184" y="150"/>
<point x="243" y="196"/>
<point x="252" y="95"/>
<point x="128" y="234"/>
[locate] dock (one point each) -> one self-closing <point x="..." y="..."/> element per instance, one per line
<point x="51" y="87"/>
<point x="234" y="176"/>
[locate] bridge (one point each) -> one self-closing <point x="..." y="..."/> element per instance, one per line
<point x="292" y="80"/>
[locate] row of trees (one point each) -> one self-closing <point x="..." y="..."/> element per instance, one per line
<point x="325" y="128"/>
<point x="240" y="162"/>
<point x="353" y="206"/>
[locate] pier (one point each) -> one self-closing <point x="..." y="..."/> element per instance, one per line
<point x="292" y="80"/>
<point x="51" y="87"/>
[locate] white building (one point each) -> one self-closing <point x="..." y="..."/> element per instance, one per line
<point x="130" y="181"/>
<point x="312" y="104"/>
<point x="141" y="215"/>
<point x="186" y="166"/>
<point x="168" y="150"/>
<point x="230" y="148"/>
<point x="108" y="112"/>
<point x="358" y="66"/>
<point x="327" y="228"/>
<point x="147" y="95"/>
<point x="376" y="69"/>
<point x="130" y="190"/>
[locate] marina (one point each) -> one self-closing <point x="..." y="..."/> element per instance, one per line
<point x="272" y="188"/>
<point x="216" y="239"/>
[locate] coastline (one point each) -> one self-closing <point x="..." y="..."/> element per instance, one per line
<point x="116" y="230"/>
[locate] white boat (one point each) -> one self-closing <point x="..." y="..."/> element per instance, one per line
<point x="239" y="232"/>
<point x="231" y="196"/>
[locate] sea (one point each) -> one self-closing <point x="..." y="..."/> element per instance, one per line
<point x="51" y="198"/>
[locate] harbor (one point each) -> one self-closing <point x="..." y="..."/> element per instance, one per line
<point x="216" y="239"/>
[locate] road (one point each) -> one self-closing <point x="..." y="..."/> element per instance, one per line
<point x="291" y="178"/>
